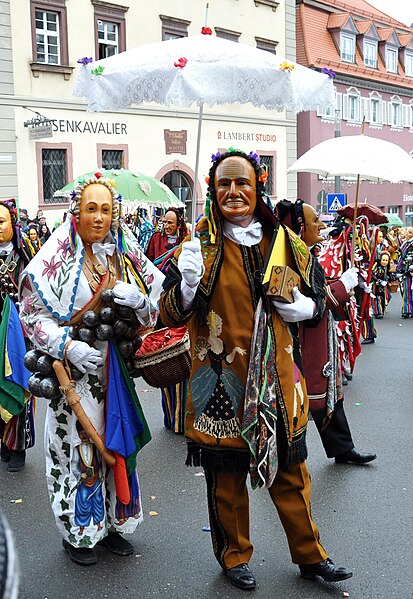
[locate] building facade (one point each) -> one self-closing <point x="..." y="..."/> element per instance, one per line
<point x="371" y="55"/>
<point x="46" y="136"/>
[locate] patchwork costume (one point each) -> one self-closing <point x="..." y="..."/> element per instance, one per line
<point x="56" y="289"/>
<point x="247" y="402"/>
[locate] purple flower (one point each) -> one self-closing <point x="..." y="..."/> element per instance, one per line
<point x="85" y="60"/>
<point x="216" y="156"/>
<point x="328" y="72"/>
<point x="255" y="157"/>
<point x="51" y="268"/>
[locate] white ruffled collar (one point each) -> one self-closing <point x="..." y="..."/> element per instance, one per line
<point x="249" y="235"/>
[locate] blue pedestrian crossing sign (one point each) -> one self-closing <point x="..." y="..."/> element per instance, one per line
<point x="335" y="201"/>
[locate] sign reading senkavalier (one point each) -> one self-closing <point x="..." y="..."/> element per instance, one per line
<point x="335" y="201"/>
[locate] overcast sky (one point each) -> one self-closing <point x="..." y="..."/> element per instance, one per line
<point x="402" y="10"/>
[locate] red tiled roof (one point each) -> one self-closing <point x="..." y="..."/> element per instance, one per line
<point x="316" y="47"/>
<point x="405" y="38"/>
<point x="385" y="33"/>
<point x="363" y="26"/>
<point x="337" y="20"/>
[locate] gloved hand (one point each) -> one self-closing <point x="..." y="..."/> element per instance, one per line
<point x="190" y="262"/>
<point x="362" y="283"/>
<point x="350" y="278"/>
<point x="303" y="308"/>
<point x="126" y="294"/>
<point x="383" y="283"/>
<point x="84" y="357"/>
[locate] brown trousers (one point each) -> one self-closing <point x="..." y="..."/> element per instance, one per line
<point x="228" y="505"/>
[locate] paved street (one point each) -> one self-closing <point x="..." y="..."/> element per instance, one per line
<point x="364" y="513"/>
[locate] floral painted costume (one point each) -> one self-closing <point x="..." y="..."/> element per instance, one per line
<point x="54" y="290"/>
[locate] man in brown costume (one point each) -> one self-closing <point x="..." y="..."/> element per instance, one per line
<point x="247" y="402"/>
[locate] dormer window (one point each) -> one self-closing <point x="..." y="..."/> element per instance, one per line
<point x="391" y="59"/>
<point x="347" y="47"/>
<point x="370" y="53"/>
<point x="408" y="64"/>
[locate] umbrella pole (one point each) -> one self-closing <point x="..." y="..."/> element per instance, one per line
<point x="194" y="191"/>
<point x="353" y="241"/>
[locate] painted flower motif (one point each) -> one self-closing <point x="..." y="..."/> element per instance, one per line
<point x="85" y="60"/>
<point x="64" y="247"/>
<point x="150" y="279"/>
<point x="39" y="335"/>
<point x="181" y="62"/>
<point x="287" y="66"/>
<point x="51" y="268"/>
<point x="27" y="304"/>
<point x="206" y="31"/>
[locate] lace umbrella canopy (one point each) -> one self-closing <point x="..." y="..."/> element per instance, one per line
<point x="198" y="70"/>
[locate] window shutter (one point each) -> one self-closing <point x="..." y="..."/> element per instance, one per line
<point x="365" y="109"/>
<point x="345" y="106"/>
<point x="389" y="114"/>
<point x="339" y="104"/>
<point x="383" y="116"/>
<point x="406" y="115"/>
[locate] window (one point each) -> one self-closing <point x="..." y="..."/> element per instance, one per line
<point x="49" y="37"/>
<point x="391" y="60"/>
<point x="268" y="45"/>
<point x="347" y="47"/>
<point x="110" y="29"/>
<point x="226" y="34"/>
<point x="411" y="116"/>
<point x="408" y="64"/>
<point x="116" y="156"/>
<point x="354" y="108"/>
<point x="54" y="164"/>
<point x="370" y="54"/>
<point x="173" y="28"/>
<point x="393" y="210"/>
<point x="112" y="159"/>
<point x="375" y="111"/>
<point x="182" y="187"/>
<point x="108" y="36"/>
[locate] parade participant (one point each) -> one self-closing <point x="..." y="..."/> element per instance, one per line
<point x="238" y="419"/>
<point x="319" y="345"/>
<point x="405" y="268"/>
<point x="90" y="254"/>
<point x="44" y="233"/>
<point x="16" y="403"/>
<point x="172" y="233"/>
<point x="381" y="276"/>
<point x="32" y="239"/>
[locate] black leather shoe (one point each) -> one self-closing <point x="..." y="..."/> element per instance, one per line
<point x="348" y="375"/>
<point x="353" y="456"/>
<point x="17" y="461"/>
<point x="241" y="577"/>
<point x="344" y="381"/>
<point x="115" y="543"/>
<point x="367" y="341"/>
<point x="80" y="555"/>
<point x="326" y="569"/>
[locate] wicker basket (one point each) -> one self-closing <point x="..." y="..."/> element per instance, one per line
<point x="164" y="358"/>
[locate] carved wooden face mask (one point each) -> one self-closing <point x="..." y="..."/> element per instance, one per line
<point x="6" y="227"/>
<point x="95" y="216"/>
<point x="235" y="186"/>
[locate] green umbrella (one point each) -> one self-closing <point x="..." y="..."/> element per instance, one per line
<point x="137" y="190"/>
<point x="393" y="220"/>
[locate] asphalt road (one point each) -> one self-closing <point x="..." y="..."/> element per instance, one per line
<point x="364" y="513"/>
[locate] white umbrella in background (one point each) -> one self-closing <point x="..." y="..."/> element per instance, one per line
<point x="198" y="70"/>
<point x="367" y="158"/>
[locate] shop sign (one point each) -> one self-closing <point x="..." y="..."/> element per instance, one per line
<point x="243" y="136"/>
<point x="41" y="131"/>
<point x="175" y="141"/>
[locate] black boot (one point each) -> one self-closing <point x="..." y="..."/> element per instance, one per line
<point x="5" y="453"/>
<point x="17" y="461"/>
<point x="83" y="556"/>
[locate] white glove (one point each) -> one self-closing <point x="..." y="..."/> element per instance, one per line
<point x="303" y="308"/>
<point x="129" y="295"/>
<point x="84" y="357"/>
<point x="350" y="278"/>
<point x="190" y="262"/>
<point x="362" y="283"/>
<point x="383" y="283"/>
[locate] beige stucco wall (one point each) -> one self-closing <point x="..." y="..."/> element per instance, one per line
<point x="51" y="95"/>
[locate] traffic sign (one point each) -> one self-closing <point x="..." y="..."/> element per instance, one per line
<point x="335" y="201"/>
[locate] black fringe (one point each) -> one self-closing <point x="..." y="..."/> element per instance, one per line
<point x="220" y="460"/>
<point x="297" y="451"/>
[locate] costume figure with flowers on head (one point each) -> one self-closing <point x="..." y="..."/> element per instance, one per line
<point x="247" y="404"/>
<point x="319" y="345"/>
<point x="16" y="402"/>
<point x="87" y="289"/>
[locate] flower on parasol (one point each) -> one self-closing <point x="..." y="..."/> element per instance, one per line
<point x="374" y="215"/>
